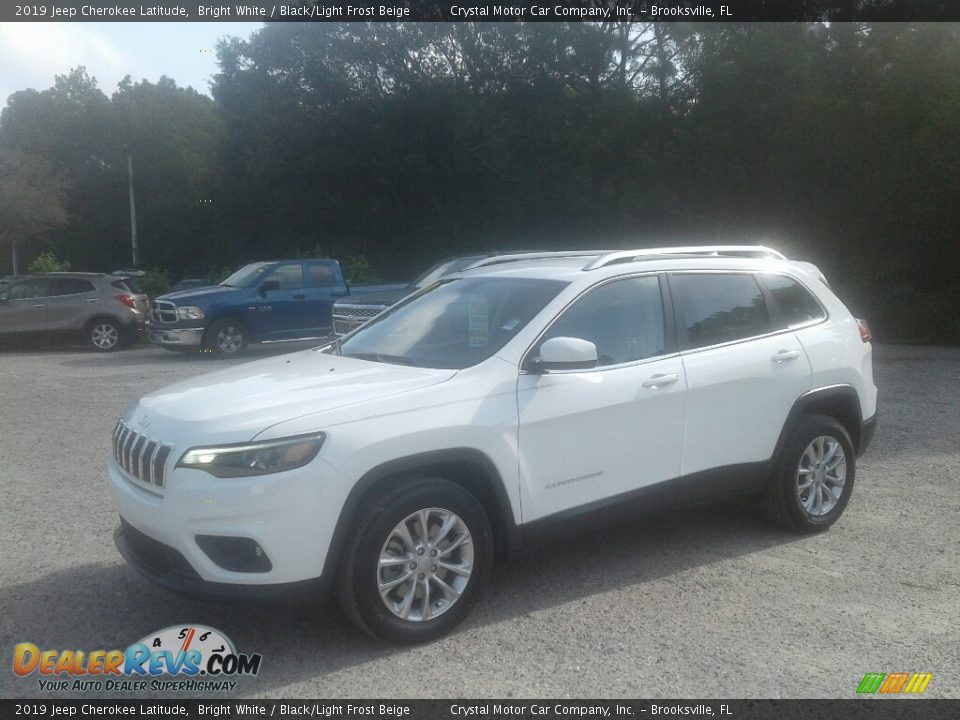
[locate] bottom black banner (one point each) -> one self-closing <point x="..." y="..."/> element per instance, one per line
<point x="473" y="709"/>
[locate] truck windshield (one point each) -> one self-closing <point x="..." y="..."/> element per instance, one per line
<point x="453" y="324"/>
<point x="247" y="276"/>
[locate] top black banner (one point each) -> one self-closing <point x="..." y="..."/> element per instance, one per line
<point x="470" y="10"/>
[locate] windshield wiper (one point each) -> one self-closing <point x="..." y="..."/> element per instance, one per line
<point x="381" y="357"/>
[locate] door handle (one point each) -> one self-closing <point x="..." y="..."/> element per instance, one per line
<point x="93" y="300"/>
<point x="659" y="381"/>
<point x="299" y="296"/>
<point x="785" y="356"/>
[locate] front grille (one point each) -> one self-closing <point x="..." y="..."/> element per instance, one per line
<point x="163" y="311"/>
<point x="139" y="456"/>
<point x="347" y="318"/>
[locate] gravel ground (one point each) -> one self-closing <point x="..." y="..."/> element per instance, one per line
<point x="710" y="602"/>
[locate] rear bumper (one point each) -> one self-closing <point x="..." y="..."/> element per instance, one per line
<point x="867" y="428"/>
<point x="184" y="337"/>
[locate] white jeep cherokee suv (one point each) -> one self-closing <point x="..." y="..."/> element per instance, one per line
<point x="490" y="410"/>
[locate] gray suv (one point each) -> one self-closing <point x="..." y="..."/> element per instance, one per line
<point x="103" y="310"/>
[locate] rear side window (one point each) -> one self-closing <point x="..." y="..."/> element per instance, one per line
<point x="624" y="319"/>
<point x="73" y="286"/>
<point x="130" y="285"/>
<point x="718" y="308"/>
<point x="289" y="276"/>
<point x="322" y="276"/>
<point x="796" y="304"/>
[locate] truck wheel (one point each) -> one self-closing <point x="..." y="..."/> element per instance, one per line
<point x="814" y="476"/>
<point x="226" y="338"/>
<point x="416" y="561"/>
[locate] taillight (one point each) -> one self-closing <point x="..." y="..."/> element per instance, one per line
<point x="129" y="301"/>
<point x="864" y="330"/>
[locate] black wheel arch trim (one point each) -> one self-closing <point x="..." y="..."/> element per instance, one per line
<point x="845" y="395"/>
<point x="510" y="540"/>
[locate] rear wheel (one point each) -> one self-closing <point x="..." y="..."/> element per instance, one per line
<point x="417" y="561"/>
<point x="105" y="335"/>
<point x="227" y="338"/>
<point x="814" y="476"/>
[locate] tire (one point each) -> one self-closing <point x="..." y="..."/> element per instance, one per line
<point x="805" y="495"/>
<point x="105" y="335"/>
<point x="226" y="338"/>
<point x="375" y="536"/>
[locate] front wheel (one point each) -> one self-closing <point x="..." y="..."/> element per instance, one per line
<point x="416" y="562"/>
<point x="814" y="477"/>
<point x="226" y="338"/>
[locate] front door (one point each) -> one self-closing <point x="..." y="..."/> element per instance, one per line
<point x="23" y="307"/>
<point x="613" y="432"/>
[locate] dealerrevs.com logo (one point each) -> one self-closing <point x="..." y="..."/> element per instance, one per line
<point x="179" y="658"/>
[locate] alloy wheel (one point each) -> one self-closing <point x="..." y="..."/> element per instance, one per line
<point x="104" y="336"/>
<point x="425" y="564"/>
<point x="821" y="475"/>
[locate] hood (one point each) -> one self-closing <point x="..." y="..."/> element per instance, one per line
<point x="235" y="404"/>
<point x="386" y="298"/>
<point x="206" y="293"/>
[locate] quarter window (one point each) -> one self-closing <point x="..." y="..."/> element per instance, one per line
<point x="797" y="306"/>
<point x="719" y="308"/>
<point x="624" y="319"/>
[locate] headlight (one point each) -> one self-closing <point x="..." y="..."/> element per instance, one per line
<point x="258" y="458"/>
<point x="189" y="312"/>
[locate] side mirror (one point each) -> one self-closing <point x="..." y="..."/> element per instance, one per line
<point x="268" y="286"/>
<point x="565" y="353"/>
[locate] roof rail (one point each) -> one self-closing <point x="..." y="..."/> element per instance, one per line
<point x="517" y="257"/>
<point x="754" y="251"/>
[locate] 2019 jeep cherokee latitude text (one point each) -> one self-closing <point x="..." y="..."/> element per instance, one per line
<point x="484" y="412"/>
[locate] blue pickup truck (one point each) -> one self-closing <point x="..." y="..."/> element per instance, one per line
<point x="261" y="302"/>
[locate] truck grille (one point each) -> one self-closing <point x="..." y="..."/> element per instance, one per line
<point x="163" y="311"/>
<point x="349" y="317"/>
<point x="140" y="457"/>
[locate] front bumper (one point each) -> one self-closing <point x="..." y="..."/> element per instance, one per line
<point x="290" y="515"/>
<point x="184" y="337"/>
<point x="169" y="569"/>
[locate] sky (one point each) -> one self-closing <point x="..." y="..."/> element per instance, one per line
<point x="31" y="54"/>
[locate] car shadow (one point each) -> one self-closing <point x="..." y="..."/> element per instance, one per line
<point x="107" y="606"/>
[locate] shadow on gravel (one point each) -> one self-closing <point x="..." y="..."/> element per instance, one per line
<point x="110" y="606"/>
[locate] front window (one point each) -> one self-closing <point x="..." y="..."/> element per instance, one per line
<point x="247" y="276"/>
<point x="623" y="318"/>
<point x="453" y="324"/>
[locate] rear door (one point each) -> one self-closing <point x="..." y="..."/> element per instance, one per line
<point x="743" y="377"/>
<point x="23" y="308"/>
<point x="74" y="300"/>
<point x="589" y="437"/>
<point x="324" y="286"/>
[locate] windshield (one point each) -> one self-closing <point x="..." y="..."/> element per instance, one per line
<point x="247" y="276"/>
<point x="444" y="268"/>
<point x="453" y="324"/>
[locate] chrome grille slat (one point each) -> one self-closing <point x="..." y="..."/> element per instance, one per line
<point x="163" y="311"/>
<point x="139" y="456"/>
<point x="131" y="437"/>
